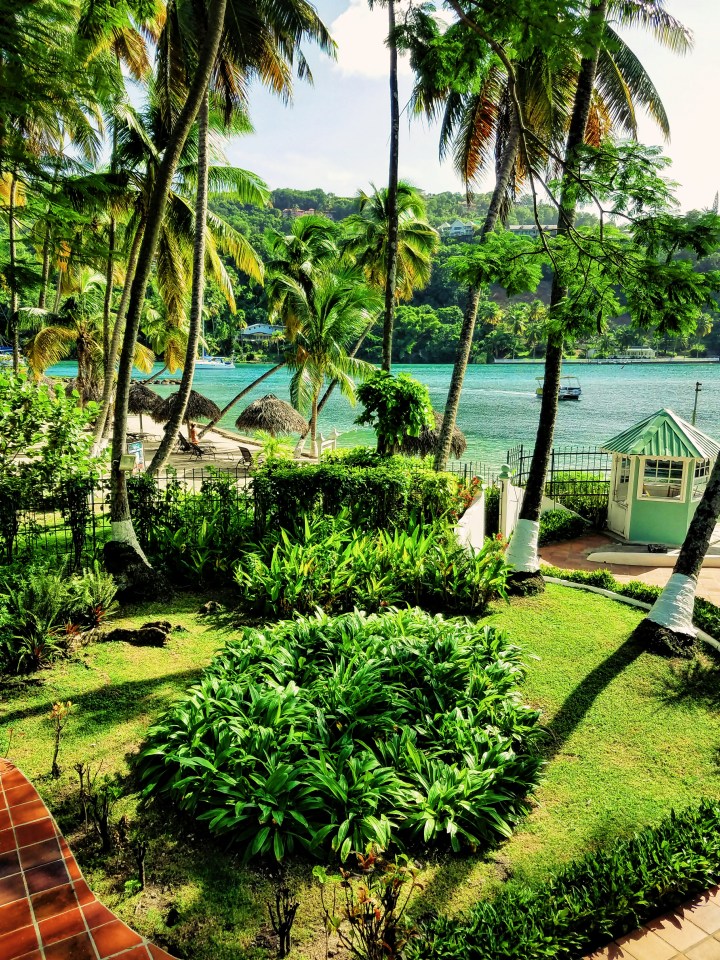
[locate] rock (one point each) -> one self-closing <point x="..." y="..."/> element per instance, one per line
<point x="212" y="606"/>
<point x="153" y="634"/>
<point x="163" y="625"/>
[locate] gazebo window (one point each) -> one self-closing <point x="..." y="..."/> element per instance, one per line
<point x="700" y="479"/>
<point x="622" y="480"/>
<point x="662" y="479"/>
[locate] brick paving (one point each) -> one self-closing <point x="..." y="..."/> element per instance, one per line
<point x="47" y="910"/>
<point x="573" y="555"/>
<point x="692" y="932"/>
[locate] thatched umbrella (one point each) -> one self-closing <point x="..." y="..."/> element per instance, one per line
<point x="142" y="400"/>
<point x="427" y="442"/>
<point x="199" y="407"/>
<point x="273" y="415"/>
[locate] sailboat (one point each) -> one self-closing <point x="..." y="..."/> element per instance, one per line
<point x="208" y="362"/>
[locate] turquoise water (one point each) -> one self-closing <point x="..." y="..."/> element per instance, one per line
<point x="498" y="408"/>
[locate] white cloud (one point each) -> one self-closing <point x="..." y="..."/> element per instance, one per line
<point x="360" y="34"/>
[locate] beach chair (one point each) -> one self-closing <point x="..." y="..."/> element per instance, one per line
<point x="184" y="446"/>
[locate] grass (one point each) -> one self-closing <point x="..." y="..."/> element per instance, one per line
<point x="630" y="736"/>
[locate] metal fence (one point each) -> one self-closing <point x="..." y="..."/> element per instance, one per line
<point x="467" y="469"/>
<point x="72" y="522"/>
<point x="577" y="478"/>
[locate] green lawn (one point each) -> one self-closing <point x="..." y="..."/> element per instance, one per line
<point x="630" y="735"/>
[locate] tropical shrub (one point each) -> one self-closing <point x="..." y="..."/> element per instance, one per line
<point x="559" y="525"/>
<point x="584" y="493"/>
<point x="607" y="893"/>
<point x="395" y="407"/>
<point x="44" y="612"/>
<point x="327" y="562"/>
<point x="379" y="492"/>
<point x="328" y="734"/>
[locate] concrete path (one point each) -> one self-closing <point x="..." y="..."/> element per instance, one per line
<point x="573" y="555"/>
<point x="47" y="910"/>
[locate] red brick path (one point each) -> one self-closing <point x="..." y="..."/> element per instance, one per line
<point x="47" y="911"/>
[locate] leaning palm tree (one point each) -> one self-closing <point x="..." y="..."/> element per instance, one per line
<point x="322" y="324"/>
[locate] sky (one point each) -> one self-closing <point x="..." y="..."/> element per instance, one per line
<point x="335" y="134"/>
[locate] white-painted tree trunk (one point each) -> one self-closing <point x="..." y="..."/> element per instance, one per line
<point x="673" y="609"/>
<point x="522" y="553"/>
<point x="124" y="532"/>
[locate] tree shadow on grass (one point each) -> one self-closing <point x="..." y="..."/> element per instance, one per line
<point x="113" y="703"/>
<point x="577" y="705"/>
<point x="693" y="682"/>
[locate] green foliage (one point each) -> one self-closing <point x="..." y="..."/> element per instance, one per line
<point x="605" y="894"/>
<point x="328" y="734"/>
<point x="582" y="492"/>
<point x="329" y="563"/>
<point x="395" y="407"/>
<point x="379" y="492"/>
<point x="44" y="612"/>
<point x="195" y="537"/>
<point x="559" y="525"/>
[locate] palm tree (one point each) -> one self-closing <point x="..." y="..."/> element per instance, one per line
<point x="322" y="323"/>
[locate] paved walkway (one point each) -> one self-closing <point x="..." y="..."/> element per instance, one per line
<point x="47" y="910"/>
<point x="572" y="555"/>
<point x="692" y="932"/>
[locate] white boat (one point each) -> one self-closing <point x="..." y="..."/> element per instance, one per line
<point x="569" y="388"/>
<point x="214" y="363"/>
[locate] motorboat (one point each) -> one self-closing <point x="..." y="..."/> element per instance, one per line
<point x="214" y="363"/>
<point x="569" y="388"/>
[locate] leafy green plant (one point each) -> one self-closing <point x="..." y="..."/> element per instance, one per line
<point x="328" y="734"/>
<point x="607" y="893"/>
<point x="558" y="525"/>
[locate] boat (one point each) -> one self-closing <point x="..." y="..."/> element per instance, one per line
<point x="206" y="362"/>
<point x="569" y="388"/>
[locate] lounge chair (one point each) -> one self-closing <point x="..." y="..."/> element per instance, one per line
<point x="196" y="449"/>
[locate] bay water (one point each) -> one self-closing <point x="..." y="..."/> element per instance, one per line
<point x="498" y="407"/>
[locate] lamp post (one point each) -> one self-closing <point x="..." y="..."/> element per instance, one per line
<point x="698" y="388"/>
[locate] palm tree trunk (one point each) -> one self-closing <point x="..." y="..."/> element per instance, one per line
<point x="522" y="553"/>
<point x="107" y="303"/>
<point x="313" y="426"/>
<point x="467" y="331"/>
<point x="14" y="298"/>
<point x="103" y="421"/>
<point x="121" y="522"/>
<point x="392" y="251"/>
<point x="45" y="279"/>
<point x="172" y="427"/>
<point x="243" y="393"/>
<point x="58" y="292"/>
<point x="668" y="626"/>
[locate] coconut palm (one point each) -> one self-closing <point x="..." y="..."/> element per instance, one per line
<point x="323" y="323"/>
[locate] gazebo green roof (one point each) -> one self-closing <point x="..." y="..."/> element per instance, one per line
<point x="664" y="434"/>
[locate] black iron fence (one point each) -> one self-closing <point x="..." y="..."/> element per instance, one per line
<point x="71" y="522"/>
<point x="577" y="478"/>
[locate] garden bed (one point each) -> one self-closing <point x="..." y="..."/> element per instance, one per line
<point x="631" y="736"/>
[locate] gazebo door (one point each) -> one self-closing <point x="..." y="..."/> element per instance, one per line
<point x="620" y="498"/>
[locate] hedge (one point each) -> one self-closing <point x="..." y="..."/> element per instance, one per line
<point x="706" y="615"/>
<point x="591" y="901"/>
<point x="559" y="525"/>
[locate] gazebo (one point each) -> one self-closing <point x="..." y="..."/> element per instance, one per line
<point x="659" y="471"/>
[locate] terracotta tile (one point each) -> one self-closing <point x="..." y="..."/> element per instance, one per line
<point x="646" y="945"/>
<point x="30" y="833"/>
<point x="157" y="954"/>
<point x="34" y="955"/>
<point x="21" y="794"/>
<point x="5" y="820"/>
<point x="15" y="915"/>
<point x="47" y="876"/>
<point x="39" y="853"/>
<point x="18" y="942"/>
<point x="26" y="812"/>
<point x="96" y="914"/>
<point x="708" y="950"/>
<point x="54" y="901"/>
<point x="114" y="937"/>
<point x="72" y="867"/>
<point x="75" y="948"/>
<point x="7" y="840"/>
<point x="3" y="801"/>
<point x="703" y="913"/>
<point x="83" y="892"/>
<point x="678" y="931"/>
<point x="9" y="863"/>
<point x="137" y="953"/>
<point x="64" y="925"/>
<point x="713" y="895"/>
<point x="12" y="888"/>
<point x="12" y="778"/>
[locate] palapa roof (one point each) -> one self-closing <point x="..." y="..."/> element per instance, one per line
<point x="664" y="434"/>
<point x="199" y="407"/>
<point x="142" y="399"/>
<point x="426" y="443"/>
<point x="272" y="414"/>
